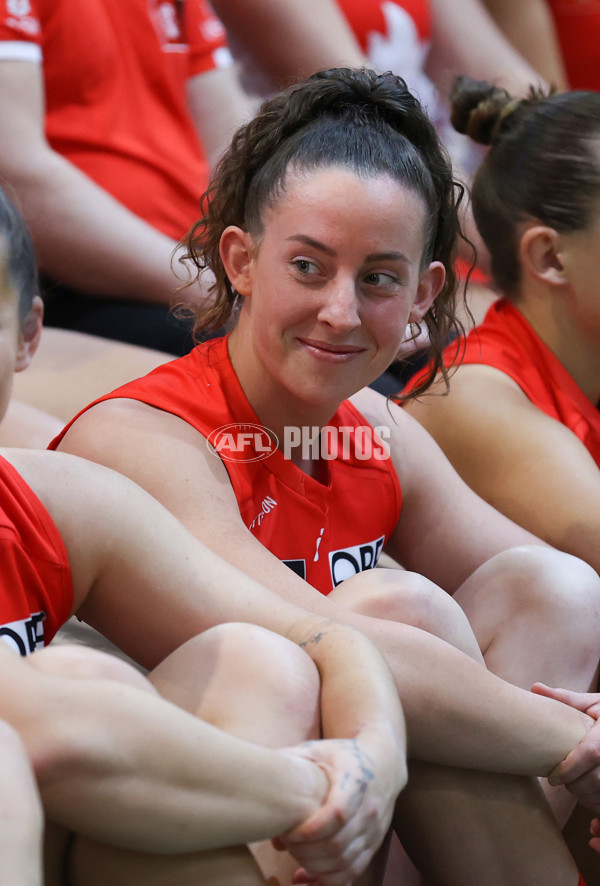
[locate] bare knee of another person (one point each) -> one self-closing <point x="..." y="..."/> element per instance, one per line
<point x="557" y="592"/>
<point x="88" y="664"/>
<point x="248" y="681"/>
<point x="409" y="598"/>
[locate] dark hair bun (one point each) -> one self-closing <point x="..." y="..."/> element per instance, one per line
<point x="477" y="109"/>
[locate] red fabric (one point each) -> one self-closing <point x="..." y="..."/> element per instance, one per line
<point x="367" y="17"/>
<point x="115" y="75"/>
<point x="36" y="591"/>
<point x="323" y="532"/>
<point x="577" y="25"/>
<point x="506" y="341"/>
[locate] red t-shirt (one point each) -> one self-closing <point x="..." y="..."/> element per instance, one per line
<point x="115" y="75"/>
<point x="507" y="341"/>
<point x="394" y="36"/>
<point x="325" y="532"/>
<point x="577" y="25"/>
<point x="36" y="590"/>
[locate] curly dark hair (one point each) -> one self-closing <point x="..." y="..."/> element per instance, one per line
<point x="543" y="164"/>
<point x="368" y="122"/>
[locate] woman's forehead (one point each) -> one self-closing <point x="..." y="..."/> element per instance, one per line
<point x="337" y="196"/>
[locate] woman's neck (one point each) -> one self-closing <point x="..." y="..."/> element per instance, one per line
<point x="577" y="348"/>
<point x="294" y="422"/>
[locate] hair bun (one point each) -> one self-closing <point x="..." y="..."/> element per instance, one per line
<point x="477" y="109"/>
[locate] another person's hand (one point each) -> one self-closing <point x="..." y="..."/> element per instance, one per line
<point x="335" y="845"/>
<point x="580" y="770"/>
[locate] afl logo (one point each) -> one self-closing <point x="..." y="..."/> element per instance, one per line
<point x="242" y="442"/>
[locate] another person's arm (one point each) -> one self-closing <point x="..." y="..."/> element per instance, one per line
<point x="83" y="236"/>
<point x="529" y="26"/>
<point x="218" y="105"/>
<point x="291" y="39"/>
<point x="153" y="586"/>
<point x="124" y="766"/>
<point x="466" y="40"/>
<point x="526" y="464"/>
<point x="446" y="696"/>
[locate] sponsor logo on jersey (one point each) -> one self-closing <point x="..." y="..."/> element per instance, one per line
<point x="266" y="507"/>
<point x="350" y="561"/>
<point x="25" y="635"/>
<point x="18" y="7"/>
<point x="20" y="17"/>
<point x="297" y="566"/>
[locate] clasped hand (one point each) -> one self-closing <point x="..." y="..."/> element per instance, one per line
<point x="579" y="772"/>
<point x="335" y="845"/>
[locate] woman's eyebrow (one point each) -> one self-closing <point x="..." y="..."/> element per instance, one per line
<point x="373" y="256"/>
<point x="304" y="238"/>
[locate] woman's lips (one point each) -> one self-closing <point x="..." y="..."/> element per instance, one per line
<point x="330" y="351"/>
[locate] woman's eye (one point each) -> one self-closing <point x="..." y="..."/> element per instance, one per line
<point x="378" y="278"/>
<point x="304" y="266"/>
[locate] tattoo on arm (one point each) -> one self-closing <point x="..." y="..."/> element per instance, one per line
<point x="315" y="639"/>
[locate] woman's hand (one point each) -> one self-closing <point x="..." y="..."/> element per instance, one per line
<point x="580" y="770"/>
<point x="337" y="842"/>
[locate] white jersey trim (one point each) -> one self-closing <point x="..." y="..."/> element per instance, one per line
<point x="20" y="50"/>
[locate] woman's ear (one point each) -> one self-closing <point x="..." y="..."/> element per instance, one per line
<point x="430" y="286"/>
<point x="539" y="252"/>
<point x="236" y="249"/>
<point x="30" y="334"/>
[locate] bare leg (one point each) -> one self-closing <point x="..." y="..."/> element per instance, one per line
<point x="462" y="826"/>
<point x="21" y="820"/>
<point x="251" y="683"/>
<point x="472" y="828"/>
<point x="537" y="619"/>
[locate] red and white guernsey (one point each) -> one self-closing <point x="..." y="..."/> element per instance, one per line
<point x="325" y="532"/>
<point x="115" y="74"/>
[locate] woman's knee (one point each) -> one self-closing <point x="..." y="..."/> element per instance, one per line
<point x="246" y="680"/>
<point x="558" y="594"/>
<point x="409" y="598"/>
<point x="89" y="664"/>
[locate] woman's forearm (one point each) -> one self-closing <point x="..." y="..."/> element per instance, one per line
<point x="126" y="767"/>
<point x="357" y="687"/>
<point x="459" y="714"/>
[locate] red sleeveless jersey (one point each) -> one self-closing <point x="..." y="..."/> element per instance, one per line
<point x="325" y="532"/>
<point x="36" y="590"/>
<point x="507" y="341"/>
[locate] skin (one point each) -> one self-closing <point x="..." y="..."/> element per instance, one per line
<point x="119" y="544"/>
<point x="314" y="33"/>
<point x="83" y="236"/>
<point x="529" y="26"/>
<point x="344" y="300"/>
<point x="549" y="480"/>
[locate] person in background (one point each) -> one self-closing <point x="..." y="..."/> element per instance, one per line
<point x="110" y="114"/>
<point x="559" y="38"/>
<point x="520" y="420"/>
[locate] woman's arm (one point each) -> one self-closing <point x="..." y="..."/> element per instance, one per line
<point x="466" y="40"/>
<point x="293" y="39"/>
<point x="445" y="530"/>
<point x="149" y="585"/>
<point x="526" y="464"/>
<point x="456" y="712"/>
<point x="83" y="236"/>
<point x="124" y="766"/>
<point x="529" y="26"/>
